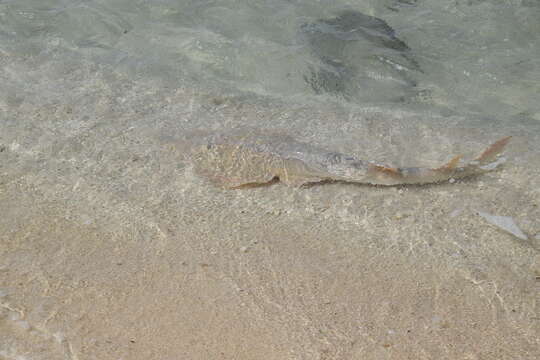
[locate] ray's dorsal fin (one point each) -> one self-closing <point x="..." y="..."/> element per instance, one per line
<point x="493" y="151"/>
<point x="452" y="164"/>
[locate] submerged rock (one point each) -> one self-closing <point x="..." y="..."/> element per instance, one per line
<point x="354" y="49"/>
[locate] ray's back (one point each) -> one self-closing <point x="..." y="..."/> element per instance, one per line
<point x="248" y="156"/>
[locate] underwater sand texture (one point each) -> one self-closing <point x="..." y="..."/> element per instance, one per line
<point x="112" y="246"/>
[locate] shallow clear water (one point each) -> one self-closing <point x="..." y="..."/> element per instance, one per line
<point x="474" y="58"/>
<point x="112" y="246"/>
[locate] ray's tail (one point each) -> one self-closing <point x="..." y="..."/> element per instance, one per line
<point x="487" y="161"/>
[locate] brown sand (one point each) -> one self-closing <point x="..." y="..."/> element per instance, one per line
<point x="111" y="248"/>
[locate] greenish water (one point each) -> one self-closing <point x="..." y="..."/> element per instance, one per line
<point x="472" y="58"/>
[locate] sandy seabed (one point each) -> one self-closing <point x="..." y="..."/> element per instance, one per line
<point x="111" y="247"/>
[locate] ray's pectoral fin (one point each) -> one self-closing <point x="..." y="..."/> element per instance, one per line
<point x="225" y="170"/>
<point x="296" y="173"/>
<point x="251" y="184"/>
<point x="243" y="182"/>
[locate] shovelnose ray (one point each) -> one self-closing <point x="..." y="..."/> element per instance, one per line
<point x="235" y="160"/>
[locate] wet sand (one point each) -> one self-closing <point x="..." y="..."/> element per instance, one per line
<point x="111" y="247"/>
